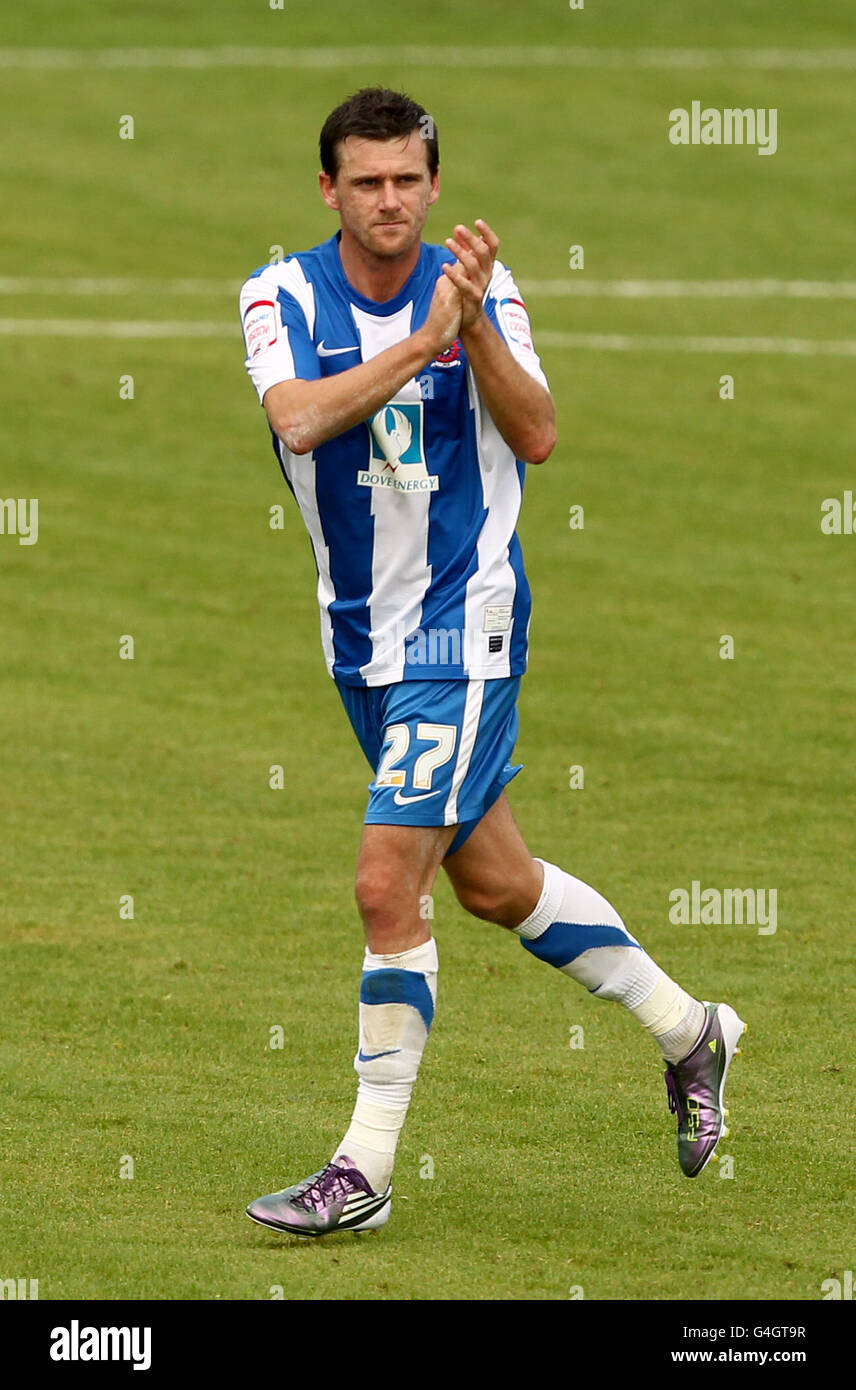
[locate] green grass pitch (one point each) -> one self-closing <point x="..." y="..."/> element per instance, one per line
<point x="553" y="1167"/>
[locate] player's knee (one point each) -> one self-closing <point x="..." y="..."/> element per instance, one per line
<point x="486" y="900"/>
<point x="378" y="893"/>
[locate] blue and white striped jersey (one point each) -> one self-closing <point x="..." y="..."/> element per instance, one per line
<point x="412" y="513"/>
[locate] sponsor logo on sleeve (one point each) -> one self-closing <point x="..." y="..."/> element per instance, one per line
<point x="260" y="327"/>
<point x="516" y="321"/>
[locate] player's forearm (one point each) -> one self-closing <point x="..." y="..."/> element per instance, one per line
<point x="521" y="408"/>
<point x="309" y="413"/>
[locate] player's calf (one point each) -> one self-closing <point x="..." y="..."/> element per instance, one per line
<point x="575" y="929"/>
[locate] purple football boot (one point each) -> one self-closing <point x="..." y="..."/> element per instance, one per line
<point x="338" y="1198"/>
<point x="696" y="1086"/>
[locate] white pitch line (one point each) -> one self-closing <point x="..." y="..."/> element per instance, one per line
<point x="545" y="289"/>
<point x="433" y="56"/>
<point x="106" y="328"/>
<point x="595" y="342"/>
<point x="638" y="342"/>
<point x="111" y="285"/>
<point x="691" y="289"/>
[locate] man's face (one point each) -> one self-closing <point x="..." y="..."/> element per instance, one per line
<point x="382" y="192"/>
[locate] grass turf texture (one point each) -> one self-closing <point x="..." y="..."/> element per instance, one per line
<point x="553" y="1167"/>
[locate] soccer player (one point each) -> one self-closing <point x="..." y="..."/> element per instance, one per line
<point x="405" y="398"/>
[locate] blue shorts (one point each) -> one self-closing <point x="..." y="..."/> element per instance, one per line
<point x="440" y="750"/>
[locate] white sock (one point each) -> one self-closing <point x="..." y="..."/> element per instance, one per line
<point x="575" y="929"/>
<point x="397" y="997"/>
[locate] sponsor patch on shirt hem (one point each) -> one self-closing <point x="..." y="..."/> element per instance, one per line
<point x="497" y="617"/>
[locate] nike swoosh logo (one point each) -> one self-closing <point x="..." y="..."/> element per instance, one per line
<point x="373" y="1056"/>
<point x="333" y="352"/>
<point x="403" y="800"/>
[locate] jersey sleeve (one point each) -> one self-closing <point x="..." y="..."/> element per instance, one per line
<point x="505" y="308"/>
<point x="276" y="333"/>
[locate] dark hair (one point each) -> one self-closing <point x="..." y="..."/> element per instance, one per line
<point x="376" y="113"/>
